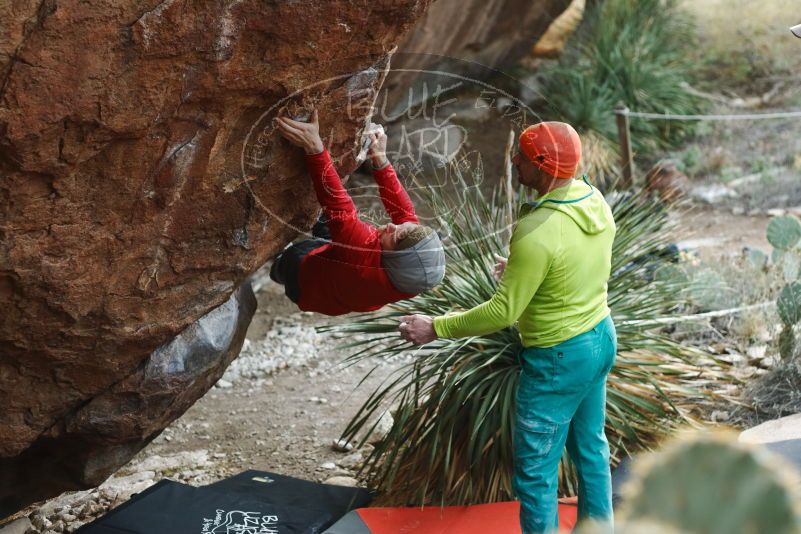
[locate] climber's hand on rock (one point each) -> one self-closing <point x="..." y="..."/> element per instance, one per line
<point x="378" y="148"/>
<point x="306" y="135"/>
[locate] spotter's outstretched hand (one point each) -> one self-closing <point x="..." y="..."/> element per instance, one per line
<point x="499" y="267"/>
<point x="418" y="329"/>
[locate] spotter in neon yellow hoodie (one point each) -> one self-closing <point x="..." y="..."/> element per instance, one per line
<point x="555" y="281"/>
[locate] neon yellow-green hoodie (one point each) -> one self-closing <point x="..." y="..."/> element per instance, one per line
<point x="555" y="280"/>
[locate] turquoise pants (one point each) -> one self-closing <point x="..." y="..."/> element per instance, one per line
<point x="561" y="401"/>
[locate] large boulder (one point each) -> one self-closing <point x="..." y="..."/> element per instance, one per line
<point x="141" y="181"/>
<point x="96" y="438"/>
<point x="464" y="38"/>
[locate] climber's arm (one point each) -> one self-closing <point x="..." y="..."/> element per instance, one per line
<point x="342" y="217"/>
<point x="396" y="200"/>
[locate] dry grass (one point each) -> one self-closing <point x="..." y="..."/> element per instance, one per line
<point x="775" y="395"/>
<point x="744" y="40"/>
<point x="600" y="159"/>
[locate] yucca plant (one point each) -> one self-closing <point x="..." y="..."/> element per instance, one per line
<point x="453" y="403"/>
<point x="631" y="52"/>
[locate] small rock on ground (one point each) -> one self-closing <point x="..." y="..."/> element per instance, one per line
<point x="342" y="481"/>
<point x="20" y="526"/>
<point x="785" y="428"/>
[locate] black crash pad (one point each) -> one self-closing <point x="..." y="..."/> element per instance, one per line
<point x="253" y="502"/>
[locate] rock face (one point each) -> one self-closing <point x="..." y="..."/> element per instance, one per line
<point x="489" y="33"/>
<point x="141" y="182"/>
<point x="99" y="436"/>
<point x="555" y="38"/>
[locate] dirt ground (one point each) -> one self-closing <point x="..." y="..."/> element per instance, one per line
<point x="285" y="424"/>
<point x="715" y="233"/>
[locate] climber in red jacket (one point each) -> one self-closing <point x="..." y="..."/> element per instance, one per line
<point x="350" y="265"/>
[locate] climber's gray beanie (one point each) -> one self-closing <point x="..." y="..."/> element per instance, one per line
<point x="417" y="268"/>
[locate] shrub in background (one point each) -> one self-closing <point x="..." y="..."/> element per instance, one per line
<point x="631" y="52"/>
<point x="746" y="44"/>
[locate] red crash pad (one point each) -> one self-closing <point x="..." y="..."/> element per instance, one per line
<point x="497" y="518"/>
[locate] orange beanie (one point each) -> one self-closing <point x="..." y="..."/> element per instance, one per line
<point x="554" y="147"/>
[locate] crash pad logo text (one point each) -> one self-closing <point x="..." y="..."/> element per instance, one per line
<point x="239" y="522"/>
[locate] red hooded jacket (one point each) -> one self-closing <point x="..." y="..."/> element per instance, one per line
<point x="346" y="275"/>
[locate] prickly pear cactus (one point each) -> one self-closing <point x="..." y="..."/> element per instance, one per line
<point x="756" y="258"/>
<point x="784" y="233"/>
<point x="790" y="263"/>
<point x="711" y="484"/>
<point x="789" y="304"/>
<point x="672" y="274"/>
<point x="787" y="343"/>
<point x="709" y="291"/>
<point x="789" y="308"/>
